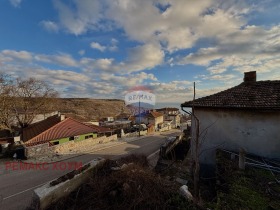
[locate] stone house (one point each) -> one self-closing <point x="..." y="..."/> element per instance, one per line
<point x="246" y="116"/>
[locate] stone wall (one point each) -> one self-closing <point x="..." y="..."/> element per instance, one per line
<point x="70" y="147"/>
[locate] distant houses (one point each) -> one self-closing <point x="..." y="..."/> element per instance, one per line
<point x="151" y="119"/>
<point x="171" y="115"/>
<point x="245" y="117"/>
<point x="54" y="128"/>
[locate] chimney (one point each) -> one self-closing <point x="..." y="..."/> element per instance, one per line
<point x="250" y="76"/>
<point x="62" y="117"/>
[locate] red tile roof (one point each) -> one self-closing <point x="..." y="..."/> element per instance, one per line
<point x="37" y="128"/>
<point x="262" y="95"/>
<point x="66" y="128"/>
<point x="99" y="129"/>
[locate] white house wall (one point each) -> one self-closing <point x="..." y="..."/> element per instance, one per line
<point x="256" y="132"/>
<point x="158" y="120"/>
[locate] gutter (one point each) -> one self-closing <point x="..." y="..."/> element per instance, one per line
<point x="185" y="110"/>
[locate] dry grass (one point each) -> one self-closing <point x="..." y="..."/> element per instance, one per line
<point x="134" y="186"/>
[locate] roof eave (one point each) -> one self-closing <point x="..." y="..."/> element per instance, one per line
<point x="232" y="107"/>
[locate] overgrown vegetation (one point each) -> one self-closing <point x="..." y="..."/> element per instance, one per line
<point x="249" y="189"/>
<point x="127" y="183"/>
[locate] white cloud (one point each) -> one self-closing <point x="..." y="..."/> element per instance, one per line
<point x="15" y="3"/>
<point x="247" y="49"/>
<point x="180" y="26"/>
<point x="144" y="57"/>
<point x="103" y="64"/>
<point x="49" y="26"/>
<point x="83" y="16"/>
<point x="127" y="80"/>
<point x="61" y="59"/>
<point x="81" y="52"/>
<point x="221" y="77"/>
<point x="114" y="43"/>
<point x="22" y="55"/>
<point x="172" y="92"/>
<point x="203" y="57"/>
<point x="97" y="46"/>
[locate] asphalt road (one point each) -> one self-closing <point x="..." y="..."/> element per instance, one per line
<point x="16" y="186"/>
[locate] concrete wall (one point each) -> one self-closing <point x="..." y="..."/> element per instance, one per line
<point x="255" y="131"/>
<point x="70" y="147"/>
<point x="158" y="120"/>
<point x="47" y="194"/>
<point x="175" y="120"/>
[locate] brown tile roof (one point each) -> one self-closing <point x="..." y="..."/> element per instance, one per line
<point x="122" y="116"/>
<point x="6" y="140"/>
<point x="66" y="128"/>
<point x="262" y="95"/>
<point x="156" y="114"/>
<point x="37" y="128"/>
<point x="168" y="109"/>
<point x="99" y="129"/>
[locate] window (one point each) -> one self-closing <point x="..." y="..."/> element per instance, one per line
<point x="55" y="142"/>
<point x="71" y="138"/>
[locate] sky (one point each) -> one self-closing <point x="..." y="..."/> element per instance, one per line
<point x="104" y="48"/>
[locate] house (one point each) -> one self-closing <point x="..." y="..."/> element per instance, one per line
<point x="101" y="131"/>
<point x="151" y="118"/>
<point x="171" y="114"/>
<point x="246" y="117"/>
<point x="56" y="130"/>
<point x="122" y="116"/>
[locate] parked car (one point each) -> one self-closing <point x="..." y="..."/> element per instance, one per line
<point x="143" y="127"/>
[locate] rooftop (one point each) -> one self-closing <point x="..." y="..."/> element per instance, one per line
<point x="261" y="95"/>
<point x="155" y="114"/>
<point x="168" y="109"/>
<point x="37" y="128"/>
<point x="66" y="128"/>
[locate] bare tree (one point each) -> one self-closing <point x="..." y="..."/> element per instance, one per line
<point x="6" y="114"/>
<point x="32" y="97"/>
<point x="22" y="100"/>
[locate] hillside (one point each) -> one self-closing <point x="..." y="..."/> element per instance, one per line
<point x="90" y="109"/>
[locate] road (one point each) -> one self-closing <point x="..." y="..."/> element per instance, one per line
<point x="16" y="187"/>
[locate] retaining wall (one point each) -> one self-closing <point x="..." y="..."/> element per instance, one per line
<point x="70" y="147"/>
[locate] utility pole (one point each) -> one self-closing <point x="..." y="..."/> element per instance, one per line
<point x="139" y="116"/>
